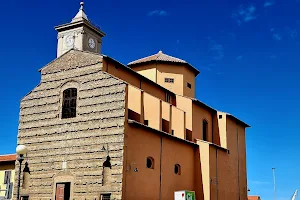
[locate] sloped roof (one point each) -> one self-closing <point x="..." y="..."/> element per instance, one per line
<point x="8" y="158"/>
<point x="70" y="60"/>
<point x="253" y="198"/>
<point x="161" y="57"/>
<point x="214" y="110"/>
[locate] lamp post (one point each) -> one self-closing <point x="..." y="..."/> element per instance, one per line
<point x="21" y="150"/>
<point x="273" y="169"/>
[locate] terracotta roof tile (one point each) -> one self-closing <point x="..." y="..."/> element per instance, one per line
<point x="160" y="56"/>
<point x="253" y="198"/>
<point x="7" y="158"/>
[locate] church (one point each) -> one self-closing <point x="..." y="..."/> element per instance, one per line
<point x="97" y="129"/>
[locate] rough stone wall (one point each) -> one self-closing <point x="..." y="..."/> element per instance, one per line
<point x="78" y="141"/>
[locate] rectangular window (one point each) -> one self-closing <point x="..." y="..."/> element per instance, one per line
<point x="169" y="80"/>
<point x="189" y="85"/>
<point x="165" y="126"/>
<point x="188" y="135"/>
<point x="7" y="176"/>
<point x="105" y="196"/>
<point x="204" y="130"/>
<point x="146" y="122"/>
<point x="172" y="133"/>
<point x="69" y="103"/>
<point x="168" y="97"/>
<point x="8" y="193"/>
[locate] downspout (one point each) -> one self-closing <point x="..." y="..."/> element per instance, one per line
<point x="160" y="168"/>
<point x="217" y="187"/>
<point x="212" y="128"/>
<point x="237" y="137"/>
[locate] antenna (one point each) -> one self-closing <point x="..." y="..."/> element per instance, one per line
<point x="273" y="169"/>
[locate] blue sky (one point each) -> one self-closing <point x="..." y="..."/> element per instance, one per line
<point x="247" y="52"/>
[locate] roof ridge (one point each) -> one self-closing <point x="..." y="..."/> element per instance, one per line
<point x="12" y="154"/>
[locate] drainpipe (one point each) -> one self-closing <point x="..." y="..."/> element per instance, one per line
<point x="160" y="168"/>
<point x="238" y="152"/>
<point x="217" y="186"/>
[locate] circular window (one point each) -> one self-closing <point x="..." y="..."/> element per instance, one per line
<point x="150" y="163"/>
<point x="177" y="169"/>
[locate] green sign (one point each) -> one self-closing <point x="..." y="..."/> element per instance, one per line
<point x="189" y="195"/>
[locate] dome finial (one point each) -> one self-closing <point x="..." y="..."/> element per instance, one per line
<point x="160" y="51"/>
<point x="81" y="5"/>
<point x="81" y="14"/>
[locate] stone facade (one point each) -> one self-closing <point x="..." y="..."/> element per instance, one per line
<point x="71" y="150"/>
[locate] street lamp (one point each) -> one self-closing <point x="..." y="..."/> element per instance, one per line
<point x="21" y="150"/>
<point x="273" y="169"/>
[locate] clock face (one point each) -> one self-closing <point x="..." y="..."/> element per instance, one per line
<point x="69" y="40"/>
<point x="92" y="43"/>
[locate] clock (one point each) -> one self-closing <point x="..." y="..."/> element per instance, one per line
<point x="69" y="40"/>
<point x="92" y="43"/>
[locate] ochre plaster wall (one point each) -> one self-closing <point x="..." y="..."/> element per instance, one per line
<point x="237" y="159"/>
<point x="145" y="183"/>
<point x="186" y="104"/>
<point x="152" y="111"/>
<point x="132" y="78"/>
<point x="188" y="77"/>
<point x="199" y="114"/>
<point x="181" y="74"/>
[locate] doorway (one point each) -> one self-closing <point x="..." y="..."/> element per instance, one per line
<point x="63" y="191"/>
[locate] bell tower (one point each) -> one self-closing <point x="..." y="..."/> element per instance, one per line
<point x="79" y="34"/>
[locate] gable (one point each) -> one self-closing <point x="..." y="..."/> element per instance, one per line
<point x="70" y="60"/>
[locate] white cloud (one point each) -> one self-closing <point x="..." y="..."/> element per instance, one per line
<point x="269" y="3"/>
<point x="218" y="49"/>
<point x="277" y="36"/>
<point x="215" y="48"/>
<point x="157" y="13"/>
<point x="244" y="14"/>
<point x="293" y="33"/>
<point x="239" y="58"/>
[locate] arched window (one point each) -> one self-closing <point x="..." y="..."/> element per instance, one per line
<point x="150" y="163"/>
<point x="177" y="169"/>
<point x="204" y="130"/>
<point x="69" y="103"/>
<point x="107" y="162"/>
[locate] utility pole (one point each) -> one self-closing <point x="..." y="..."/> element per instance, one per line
<point x="273" y="169"/>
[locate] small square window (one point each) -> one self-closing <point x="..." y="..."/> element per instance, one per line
<point x="220" y="116"/>
<point x="146" y="122"/>
<point x="169" y="80"/>
<point x="189" y="85"/>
